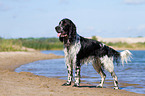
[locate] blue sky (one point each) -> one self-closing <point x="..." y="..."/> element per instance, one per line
<point x="105" y="18"/>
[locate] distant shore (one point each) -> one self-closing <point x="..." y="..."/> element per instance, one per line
<point x="28" y="84"/>
<point x="137" y="43"/>
<point x="122" y="39"/>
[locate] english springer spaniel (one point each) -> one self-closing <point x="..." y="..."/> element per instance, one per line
<point x="79" y="50"/>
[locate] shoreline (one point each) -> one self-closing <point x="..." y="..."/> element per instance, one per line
<point x="28" y="84"/>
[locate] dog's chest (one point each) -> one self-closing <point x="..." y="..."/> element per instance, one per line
<point x="71" y="53"/>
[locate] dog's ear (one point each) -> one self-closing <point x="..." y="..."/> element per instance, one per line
<point x="72" y="31"/>
<point x="61" y="39"/>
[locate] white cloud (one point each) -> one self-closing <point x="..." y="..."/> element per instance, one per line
<point x="134" y="1"/>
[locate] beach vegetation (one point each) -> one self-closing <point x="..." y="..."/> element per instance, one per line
<point x="94" y="38"/>
<point x="20" y="44"/>
<point x="35" y="43"/>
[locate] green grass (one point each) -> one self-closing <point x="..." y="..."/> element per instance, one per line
<point x="8" y="45"/>
<point x="120" y="45"/>
<point x="35" y="43"/>
<point x="133" y="46"/>
<point x="52" y="44"/>
<point x="42" y="43"/>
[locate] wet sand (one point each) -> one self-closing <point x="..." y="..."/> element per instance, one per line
<point x="28" y="84"/>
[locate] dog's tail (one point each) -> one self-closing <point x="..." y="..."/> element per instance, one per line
<point x="125" y="56"/>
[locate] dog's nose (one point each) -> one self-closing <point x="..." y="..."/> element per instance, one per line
<point x="58" y="29"/>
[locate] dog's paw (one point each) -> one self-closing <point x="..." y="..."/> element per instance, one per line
<point x="76" y="85"/>
<point x="115" y="88"/>
<point x="99" y="86"/>
<point x="66" y="84"/>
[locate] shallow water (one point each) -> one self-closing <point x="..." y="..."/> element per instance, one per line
<point x="132" y="73"/>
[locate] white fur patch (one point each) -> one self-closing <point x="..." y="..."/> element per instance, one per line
<point x="108" y="63"/>
<point x="70" y="55"/>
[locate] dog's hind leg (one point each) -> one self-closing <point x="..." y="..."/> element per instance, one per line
<point x="70" y="75"/>
<point x="103" y="76"/>
<point x="115" y="80"/>
<point x="109" y="66"/>
<point x="97" y="66"/>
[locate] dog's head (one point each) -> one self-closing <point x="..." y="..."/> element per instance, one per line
<point x="66" y="31"/>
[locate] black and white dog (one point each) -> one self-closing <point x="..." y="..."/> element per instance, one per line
<point x="79" y="50"/>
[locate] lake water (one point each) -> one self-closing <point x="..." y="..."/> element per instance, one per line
<point x="132" y="73"/>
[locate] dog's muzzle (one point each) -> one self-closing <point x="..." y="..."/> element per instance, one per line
<point x="60" y="31"/>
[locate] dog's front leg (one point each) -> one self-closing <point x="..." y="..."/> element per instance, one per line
<point x="70" y="74"/>
<point x="77" y="76"/>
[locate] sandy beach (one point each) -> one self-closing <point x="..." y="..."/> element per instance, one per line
<point x="28" y="84"/>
